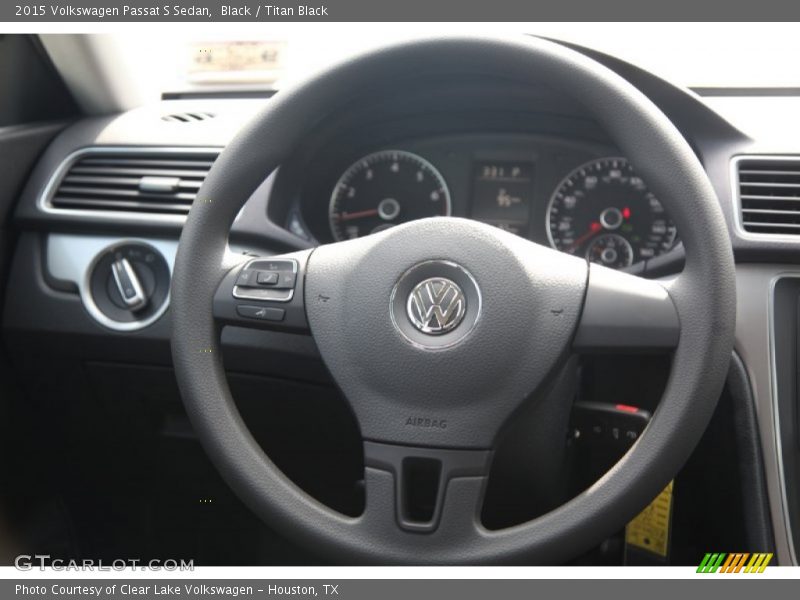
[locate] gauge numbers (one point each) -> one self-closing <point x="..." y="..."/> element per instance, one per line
<point x="385" y="189"/>
<point x="604" y="212"/>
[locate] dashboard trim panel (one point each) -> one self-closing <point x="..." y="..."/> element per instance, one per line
<point x="72" y="258"/>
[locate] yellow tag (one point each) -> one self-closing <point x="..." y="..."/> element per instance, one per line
<point x="650" y="529"/>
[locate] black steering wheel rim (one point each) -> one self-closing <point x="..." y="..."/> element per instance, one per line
<point x="703" y="295"/>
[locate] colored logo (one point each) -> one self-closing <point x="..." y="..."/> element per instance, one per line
<point x="738" y="562"/>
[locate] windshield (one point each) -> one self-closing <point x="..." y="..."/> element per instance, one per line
<point x="696" y="55"/>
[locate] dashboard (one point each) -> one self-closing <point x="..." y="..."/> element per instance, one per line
<point x="575" y="196"/>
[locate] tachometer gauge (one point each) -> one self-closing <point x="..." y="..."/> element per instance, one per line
<point x="604" y="211"/>
<point x="384" y="189"/>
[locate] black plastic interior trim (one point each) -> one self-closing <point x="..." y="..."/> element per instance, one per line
<point x="786" y="340"/>
<point x="758" y="524"/>
<point x="32" y="88"/>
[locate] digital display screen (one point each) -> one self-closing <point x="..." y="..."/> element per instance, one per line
<point x="502" y="193"/>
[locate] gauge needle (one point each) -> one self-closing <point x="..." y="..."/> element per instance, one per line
<point x="593" y="228"/>
<point x="358" y="215"/>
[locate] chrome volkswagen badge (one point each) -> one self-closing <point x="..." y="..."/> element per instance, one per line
<point x="436" y="306"/>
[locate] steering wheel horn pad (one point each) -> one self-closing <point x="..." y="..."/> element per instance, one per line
<point x="531" y="298"/>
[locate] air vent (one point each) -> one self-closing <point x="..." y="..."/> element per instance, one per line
<point x="155" y="181"/>
<point x="188" y="117"/>
<point x="769" y="194"/>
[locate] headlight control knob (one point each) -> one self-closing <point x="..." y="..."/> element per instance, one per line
<point x="128" y="286"/>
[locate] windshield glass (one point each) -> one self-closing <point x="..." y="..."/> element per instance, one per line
<point x="698" y="55"/>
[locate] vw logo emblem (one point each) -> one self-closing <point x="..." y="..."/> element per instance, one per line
<point x="436" y="305"/>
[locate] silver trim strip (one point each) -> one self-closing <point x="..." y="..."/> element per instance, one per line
<point x="738" y="226"/>
<point x="264" y="296"/>
<point x="784" y="499"/>
<point x="44" y="201"/>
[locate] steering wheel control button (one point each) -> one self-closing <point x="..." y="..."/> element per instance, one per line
<point x="264" y="293"/>
<point x="246" y="278"/>
<point x="264" y="313"/>
<point x="286" y="280"/>
<point x="268" y="280"/>
<point x="436" y="306"/>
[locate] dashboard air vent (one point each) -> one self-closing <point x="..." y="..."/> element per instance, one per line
<point x="188" y="117"/>
<point x="156" y="181"/>
<point x="769" y="194"/>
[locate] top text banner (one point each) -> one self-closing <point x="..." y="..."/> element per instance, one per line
<point x="55" y="11"/>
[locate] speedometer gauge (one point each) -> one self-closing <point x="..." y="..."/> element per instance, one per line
<point x="385" y="189"/>
<point x="604" y="212"/>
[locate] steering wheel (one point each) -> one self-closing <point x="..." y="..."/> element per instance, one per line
<point x="438" y="331"/>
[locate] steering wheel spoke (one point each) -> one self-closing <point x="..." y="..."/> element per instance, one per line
<point x="264" y="293"/>
<point x="424" y="490"/>
<point x="623" y="312"/>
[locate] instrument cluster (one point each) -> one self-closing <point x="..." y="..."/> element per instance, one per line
<point x="599" y="208"/>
